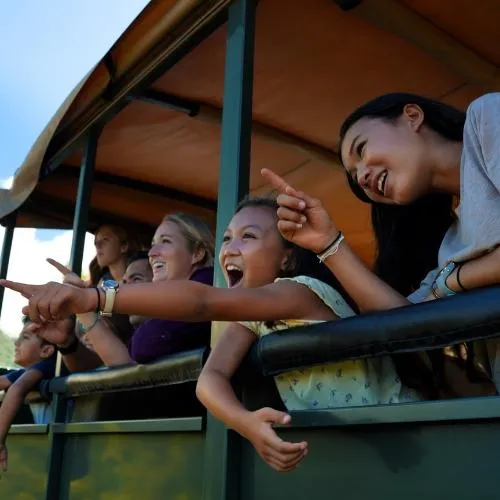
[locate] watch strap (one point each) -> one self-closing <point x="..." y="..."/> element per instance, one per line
<point x="109" y="301"/>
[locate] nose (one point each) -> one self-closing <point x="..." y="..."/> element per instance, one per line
<point x="232" y="247"/>
<point x="363" y="175"/>
<point x="153" y="251"/>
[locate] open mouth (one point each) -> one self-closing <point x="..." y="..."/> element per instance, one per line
<point x="381" y="183"/>
<point x="234" y="275"/>
<point x="158" y="266"/>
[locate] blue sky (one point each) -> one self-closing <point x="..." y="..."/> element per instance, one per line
<point x="46" y="47"/>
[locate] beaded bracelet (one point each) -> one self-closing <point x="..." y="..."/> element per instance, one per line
<point x="332" y="249"/>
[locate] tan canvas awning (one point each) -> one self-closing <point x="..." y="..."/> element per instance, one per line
<point x="314" y="63"/>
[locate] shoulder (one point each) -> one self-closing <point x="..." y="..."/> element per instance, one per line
<point x="46" y="367"/>
<point x="483" y="113"/>
<point x="13" y="375"/>
<point x="484" y="102"/>
<point x="328" y="295"/>
<point x="203" y="275"/>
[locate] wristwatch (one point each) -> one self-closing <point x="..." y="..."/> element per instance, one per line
<point x="110" y="289"/>
<point x="439" y="287"/>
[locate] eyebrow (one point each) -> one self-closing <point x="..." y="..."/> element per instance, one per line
<point x="248" y="226"/>
<point x="353" y="143"/>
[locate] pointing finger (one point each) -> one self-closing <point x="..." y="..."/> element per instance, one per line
<point x="60" y="267"/>
<point x="277" y="182"/>
<point x="25" y="290"/>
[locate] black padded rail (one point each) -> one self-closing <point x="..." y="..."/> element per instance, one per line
<point x="171" y="370"/>
<point x="463" y="317"/>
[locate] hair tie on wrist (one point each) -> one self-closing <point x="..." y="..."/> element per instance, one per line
<point x="459" y="283"/>
<point x="98" y="308"/>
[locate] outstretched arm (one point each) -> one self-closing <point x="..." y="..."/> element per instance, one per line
<point x="214" y="390"/>
<point x="178" y="300"/>
<point x="11" y="403"/>
<point x="305" y="222"/>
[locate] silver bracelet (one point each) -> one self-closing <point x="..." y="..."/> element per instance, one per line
<point x="332" y="249"/>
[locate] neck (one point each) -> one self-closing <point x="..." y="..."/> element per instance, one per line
<point x="446" y="171"/>
<point x="117" y="269"/>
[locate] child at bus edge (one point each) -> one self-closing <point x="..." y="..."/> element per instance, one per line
<point x="38" y="359"/>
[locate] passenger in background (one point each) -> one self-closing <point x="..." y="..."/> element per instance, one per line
<point x="138" y="271"/>
<point x="113" y="247"/>
<point x="38" y="359"/>
<point x="182" y="249"/>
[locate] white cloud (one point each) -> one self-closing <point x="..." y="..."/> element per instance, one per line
<point x="7" y="183"/>
<point x="28" y="265"/>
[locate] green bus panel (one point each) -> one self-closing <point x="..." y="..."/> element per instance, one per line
<point x="26" y="478"/>
<point x="426" y="461"/>
<point x="136" y="466"/>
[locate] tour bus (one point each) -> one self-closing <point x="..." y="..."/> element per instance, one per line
<point x="181" y="114"/>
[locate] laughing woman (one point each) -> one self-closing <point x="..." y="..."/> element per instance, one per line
<point x="273" y="285"/>
<point x="410" y="156"/>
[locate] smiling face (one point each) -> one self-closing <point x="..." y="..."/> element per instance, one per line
<point x="108" y="247"/>
<point x="170" y="256"/>
<point x="389" y="160"/>
<point x="253" y="253"/>
<point x="29" y="347"/>
<point x="138" y="271"/>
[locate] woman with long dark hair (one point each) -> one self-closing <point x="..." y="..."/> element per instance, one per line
<point x="410" y="157"/>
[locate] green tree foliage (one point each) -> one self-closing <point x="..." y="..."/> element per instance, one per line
<point x="6" y="350"/>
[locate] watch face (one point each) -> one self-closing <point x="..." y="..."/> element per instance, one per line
<point x="110" y="284"/>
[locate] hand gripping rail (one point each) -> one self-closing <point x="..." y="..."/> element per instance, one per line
<point x="170" y="370"/>
<point x="463" y="317"/>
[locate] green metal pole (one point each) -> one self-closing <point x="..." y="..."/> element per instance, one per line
<point x="6" y="249"/>
<point x="81" y="218"/>
<point x="223" y="447"/>
<point x="58" y="486"/>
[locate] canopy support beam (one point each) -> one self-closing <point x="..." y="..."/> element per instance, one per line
<point x="6" y="249"/>
<point x="223" y="447"/>
<point x="56" y="490"/>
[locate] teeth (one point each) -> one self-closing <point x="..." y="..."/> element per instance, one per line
<point x="157" y="265"/>
<point x="380" y="183"/>
<point x="232" y="267"/>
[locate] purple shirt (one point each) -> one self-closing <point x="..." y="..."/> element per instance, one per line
<point x="158" y="337"/>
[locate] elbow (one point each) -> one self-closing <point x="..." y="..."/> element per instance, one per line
<point x="201" y="388"/>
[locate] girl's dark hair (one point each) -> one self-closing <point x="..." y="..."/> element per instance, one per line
<point x="302" y="262"/>
<point x="408" y="237"/>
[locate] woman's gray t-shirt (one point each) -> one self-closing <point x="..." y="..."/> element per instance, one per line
<point x="477" y="229"/>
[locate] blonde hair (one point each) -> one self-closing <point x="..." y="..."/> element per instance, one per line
<point x="196" y="233"/>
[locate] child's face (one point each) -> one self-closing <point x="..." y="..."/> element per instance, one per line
<point x="252" y="253"/>
<point x="29" y="347"/>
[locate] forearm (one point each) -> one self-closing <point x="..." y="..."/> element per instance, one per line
<point x="11" y="403"/>
<point x="110" y="349"/>
<point x="82" y="359"/>
<point x="480" y="272"/>
<point x="177" y="300"/>
<point x="216" y="393"/>
<point x="5" y="383"/>
<point x="368" y="291"/>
